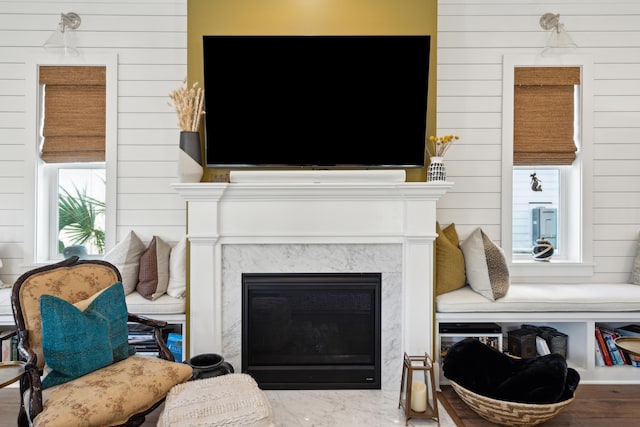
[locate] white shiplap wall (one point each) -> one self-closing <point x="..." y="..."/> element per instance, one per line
<point x="150" y="39"/>
<point x="473" y="35"/>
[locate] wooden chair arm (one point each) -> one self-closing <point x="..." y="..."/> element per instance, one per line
<point x="31" y="380"/>
<point x="158" y="326"/>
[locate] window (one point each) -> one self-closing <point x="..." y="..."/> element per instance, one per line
<point x="76" y="215"/>
<point x="547" y="163"/>
<point x="72" y="139"/>
<point x="72" y="121"/>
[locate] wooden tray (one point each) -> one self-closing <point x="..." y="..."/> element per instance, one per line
<point x="629" y="344"/>
<point x="10" y="371"/>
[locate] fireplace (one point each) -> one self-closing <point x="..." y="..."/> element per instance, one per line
<point x="312" y="221"/>
<point x="312" y="331"/>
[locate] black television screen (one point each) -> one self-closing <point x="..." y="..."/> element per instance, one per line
<point x="316" y="101"/>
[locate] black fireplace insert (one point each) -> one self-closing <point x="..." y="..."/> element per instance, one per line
<point x="312" y="330"/>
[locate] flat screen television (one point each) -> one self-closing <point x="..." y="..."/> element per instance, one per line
<point x="316" y="101"/>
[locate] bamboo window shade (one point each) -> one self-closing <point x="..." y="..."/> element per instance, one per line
<point x="74" y="113"/>
<point x="543" y="128"/>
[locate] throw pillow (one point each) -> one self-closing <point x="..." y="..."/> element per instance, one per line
<point x="153" y="278"/>
<point x="635" y="273"/>
<point x="177" y="287"/>
<point x="126" y="257"/>
<point x="80" y="338"/>
<point x="450" y="269"/>
<point x="485" y="265"/>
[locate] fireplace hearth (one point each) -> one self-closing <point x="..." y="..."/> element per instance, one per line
<point x="312" y="331"/>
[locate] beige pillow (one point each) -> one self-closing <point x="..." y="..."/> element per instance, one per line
<point x="485" y="265"/>
<point x="126" y="257"/>
<point x="450" y="269"/>
<point x="153" y="278"/>
<point x="178" y="270"/>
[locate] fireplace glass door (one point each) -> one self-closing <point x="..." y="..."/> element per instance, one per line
<point x="312" y="331"/>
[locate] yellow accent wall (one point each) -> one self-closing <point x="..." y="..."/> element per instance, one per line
<point x="311" y="17"/>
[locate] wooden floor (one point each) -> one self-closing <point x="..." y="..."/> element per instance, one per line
<point x="594" y="406"/>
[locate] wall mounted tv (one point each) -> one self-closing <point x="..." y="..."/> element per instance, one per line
<point x="316" y="101"/>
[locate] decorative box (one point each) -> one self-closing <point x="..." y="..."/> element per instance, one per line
<point x="522" y="343"/>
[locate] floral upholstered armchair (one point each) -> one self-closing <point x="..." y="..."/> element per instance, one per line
<point x="73" y="337"/>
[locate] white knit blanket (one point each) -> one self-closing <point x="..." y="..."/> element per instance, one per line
<point x="228" y="400"/>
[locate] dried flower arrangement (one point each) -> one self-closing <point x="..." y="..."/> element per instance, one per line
<point x="441" y="144"/>
<point x="188" y="103"/>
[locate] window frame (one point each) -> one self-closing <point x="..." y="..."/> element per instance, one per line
<point x="38" y="205"/>
<point x="578" y="264"/>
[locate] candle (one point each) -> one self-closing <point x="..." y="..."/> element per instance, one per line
<point x="418" y="396"/>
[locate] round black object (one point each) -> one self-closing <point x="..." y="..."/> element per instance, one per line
<point x="209" y="365"/>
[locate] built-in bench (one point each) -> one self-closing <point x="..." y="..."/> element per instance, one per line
<point x="612" y="297"/>
<point x="166" y="308"/>
<point x="163" y="308"/>
<point x="573" y="309"/>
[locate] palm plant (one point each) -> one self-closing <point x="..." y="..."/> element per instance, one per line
<point x="77" y="214"/>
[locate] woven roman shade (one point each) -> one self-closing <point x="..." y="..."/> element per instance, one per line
<point x="543" y="128"/>
<point x="74" y="113"/>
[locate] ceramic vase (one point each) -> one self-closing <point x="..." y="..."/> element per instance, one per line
<point x="76" y="250"/>
<point x="209" y="365"/>
<point x="436" y="170"/>
<point x="190" y="157"/>
<point x="542" y="250"/>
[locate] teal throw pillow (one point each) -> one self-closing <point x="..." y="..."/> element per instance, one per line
<point x="76" y="341"/>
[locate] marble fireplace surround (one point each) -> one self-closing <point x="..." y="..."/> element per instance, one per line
<point x="312" y="221"/>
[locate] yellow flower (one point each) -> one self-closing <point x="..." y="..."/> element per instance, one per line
<point x="441" y="144"/>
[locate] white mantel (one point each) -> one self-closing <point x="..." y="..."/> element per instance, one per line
<point x="311" y="207"/>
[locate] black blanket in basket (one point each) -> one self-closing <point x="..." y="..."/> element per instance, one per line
<point x="488" y="372"/>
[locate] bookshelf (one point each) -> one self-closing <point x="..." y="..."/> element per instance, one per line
<point x="8" y="343"/>
<point x="141" y="337"/>
<point x="451" y="333"/>
<point x="581" y="342"/>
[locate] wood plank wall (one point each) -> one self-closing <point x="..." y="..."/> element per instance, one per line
<point x="473" y="35"/>
<point x="150" y="38"/>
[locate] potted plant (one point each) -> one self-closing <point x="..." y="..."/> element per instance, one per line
<point x="188" y="103"/>
<point x="77" y="218"/>
<point x="437" y="147"/>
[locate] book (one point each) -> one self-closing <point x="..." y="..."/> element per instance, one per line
<point x="140" y="337"/>
<point x="8" y="338"/>
<point x="599" y="357"/>
<point x="628" y="331"/>
<point x="609" y="338"/>
<point x="6" y="350"/>
<point x="604" y="348"/>
<point x="174" y="342"/>
<point x="542" y="348"/>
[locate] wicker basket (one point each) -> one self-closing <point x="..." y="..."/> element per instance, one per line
<point x="509" y="413"/>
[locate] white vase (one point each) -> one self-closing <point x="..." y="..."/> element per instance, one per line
<point x="189" y="157"/>
<point x="436" y="170"/>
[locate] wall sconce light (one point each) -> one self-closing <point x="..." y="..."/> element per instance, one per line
<point x="1" y="267"/>
<point x="559" y="38"/>
<point x="64" y="37"/>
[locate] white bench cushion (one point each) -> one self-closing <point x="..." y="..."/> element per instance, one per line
<point x="137" y="304"/>
<point x="545" y="298"/>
